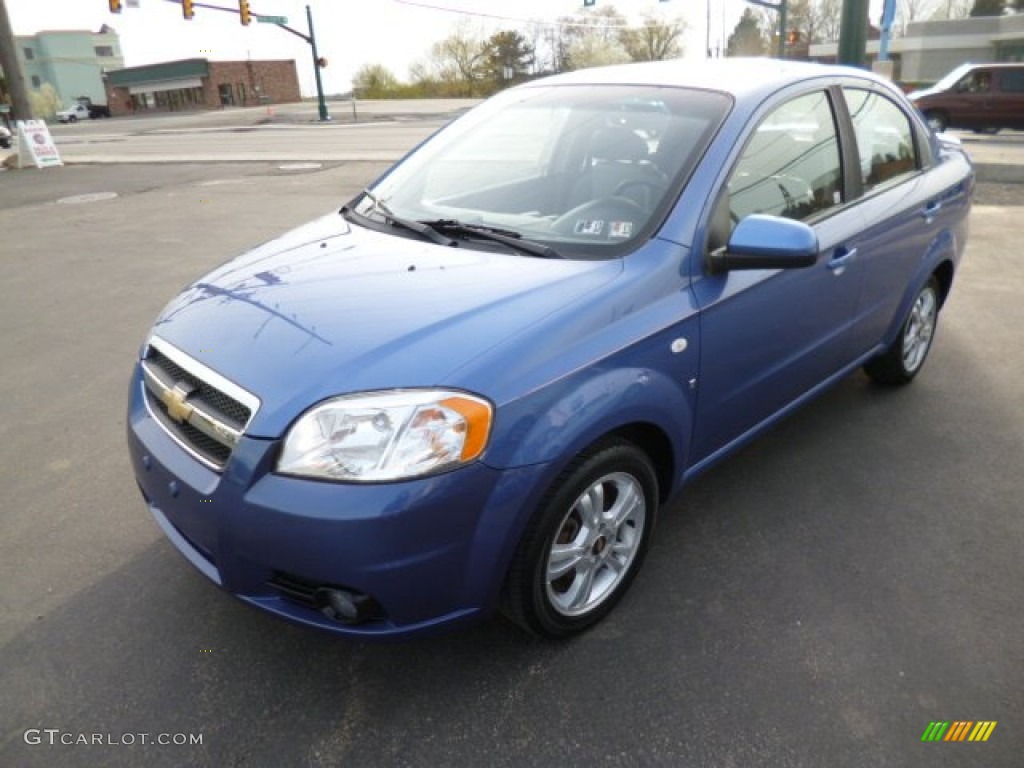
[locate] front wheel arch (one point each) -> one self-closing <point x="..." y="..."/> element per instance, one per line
<point x="607" y="549"/>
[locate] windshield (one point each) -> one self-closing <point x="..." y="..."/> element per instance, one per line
<point x="585" y="169"/>
<point x="949" y="80"/>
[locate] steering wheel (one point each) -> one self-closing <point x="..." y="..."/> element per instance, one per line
<point x="653" y="189"/>
<point x="603" y="210"/>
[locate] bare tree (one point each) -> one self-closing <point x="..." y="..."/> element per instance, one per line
<point x="912" y="10"/>
<point x="957" y="9"/>
<point x="656" y="39"/>
<point x="590" y="39"/>
<point x="814" y="21"/>
<point x="830" y="16"/>
<point x="455" y="65"/>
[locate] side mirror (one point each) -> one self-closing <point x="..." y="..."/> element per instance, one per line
<point x="766" y="242"/>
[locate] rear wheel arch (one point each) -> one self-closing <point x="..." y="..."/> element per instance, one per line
<point x="944" y="275"/>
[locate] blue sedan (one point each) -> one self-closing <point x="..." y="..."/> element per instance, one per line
<point x="474" y="386"/>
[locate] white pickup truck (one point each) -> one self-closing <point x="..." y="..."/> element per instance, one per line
<point x="72" y="114"/>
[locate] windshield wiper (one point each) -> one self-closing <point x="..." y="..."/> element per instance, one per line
<point x="424" y="231"/>
<point x="507" y="237"/>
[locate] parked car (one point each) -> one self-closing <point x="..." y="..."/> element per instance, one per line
<point x="73" y="114"/>
<point x="982" y="97"/>
<point x="5" y="137"/>
<point x="478" y="383"/>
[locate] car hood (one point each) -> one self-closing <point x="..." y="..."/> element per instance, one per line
<point x="332" y="308"/>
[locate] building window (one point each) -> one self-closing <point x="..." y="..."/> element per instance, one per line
<point x="29" y="54"/>
<point x="104" y="50"/>
<point x="36" y="82"/>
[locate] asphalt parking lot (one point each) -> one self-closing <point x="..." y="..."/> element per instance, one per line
<point x="817" y="600"/>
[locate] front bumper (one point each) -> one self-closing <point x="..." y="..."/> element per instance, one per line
<point x="430" y="552"/>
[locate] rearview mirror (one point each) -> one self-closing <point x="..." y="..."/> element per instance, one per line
<point x="760" y="241"/>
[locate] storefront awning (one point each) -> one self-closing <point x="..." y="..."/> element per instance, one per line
<point x="166" y="85"/>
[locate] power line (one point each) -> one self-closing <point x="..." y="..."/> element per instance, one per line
<point x="601" y="20"/>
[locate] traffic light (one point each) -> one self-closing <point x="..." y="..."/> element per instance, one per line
<point x="115" y="6"/>
<point x="243" y="12"/>
<point x="588" y="3"/>
<point x="186" y="9"/>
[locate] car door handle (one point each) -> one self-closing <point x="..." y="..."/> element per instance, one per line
<point x="930" y="211"/>
<point x="841" y="258"/>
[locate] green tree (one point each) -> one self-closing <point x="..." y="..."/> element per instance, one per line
<point x="747" y="39"/>
<point x="988" y="7"/>
<point x="656" y="39"/>
<point x="374" y="81"/>
<point x="508" y="57"/>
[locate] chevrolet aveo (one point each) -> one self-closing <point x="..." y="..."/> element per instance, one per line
<point x="473" y="386"/>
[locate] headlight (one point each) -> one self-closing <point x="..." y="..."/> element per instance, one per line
<point x="394" y="435"/>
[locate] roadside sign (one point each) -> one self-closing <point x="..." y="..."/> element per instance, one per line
<point x="35" y="145"/>
<point x="272" y="19"/>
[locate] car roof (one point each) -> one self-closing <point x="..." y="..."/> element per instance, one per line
<point x="741" y="77"/>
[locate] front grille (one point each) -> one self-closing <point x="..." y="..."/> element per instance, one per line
<point x="225" y="406"/>
<point x="204" y="412"/>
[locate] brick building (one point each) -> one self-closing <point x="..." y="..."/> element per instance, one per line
<point x="201" y="84"/>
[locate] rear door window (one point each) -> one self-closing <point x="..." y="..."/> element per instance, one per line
<point x="885" y="138"/>
<point x="1012" y="80"/>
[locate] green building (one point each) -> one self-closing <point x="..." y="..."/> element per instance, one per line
<point x="73" y="62"/>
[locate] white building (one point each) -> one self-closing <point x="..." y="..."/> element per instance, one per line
<point x="930" y="49"/>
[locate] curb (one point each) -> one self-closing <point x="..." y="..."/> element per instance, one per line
<point x="999" y="173"/>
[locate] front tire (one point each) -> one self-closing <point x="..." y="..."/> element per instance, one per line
<point x="583" y="548"/>
<point x="902" y="361"/>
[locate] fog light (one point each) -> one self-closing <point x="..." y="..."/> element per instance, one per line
<point x="344" y="605"/>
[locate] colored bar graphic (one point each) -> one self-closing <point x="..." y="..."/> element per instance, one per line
<point x="982" y="731"/>
<point x="958" y="730"/>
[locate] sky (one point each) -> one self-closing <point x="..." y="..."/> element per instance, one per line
<point x="349" y="33"/>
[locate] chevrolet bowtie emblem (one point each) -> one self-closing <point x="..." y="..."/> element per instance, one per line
<point x="177" y="409"/>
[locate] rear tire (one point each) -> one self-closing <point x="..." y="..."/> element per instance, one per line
<point x="937" y="121"/>
<point x="584" y="546"/>
<point x="902" y="361"/>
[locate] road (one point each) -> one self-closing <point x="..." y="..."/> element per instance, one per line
<point x="383" y="132"/>
<point x="815" y="601"/>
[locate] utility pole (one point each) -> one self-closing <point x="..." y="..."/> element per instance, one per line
<point x="20" y="105"/>
<point x="853" y="33"/>
<point x="321" y="104"/>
